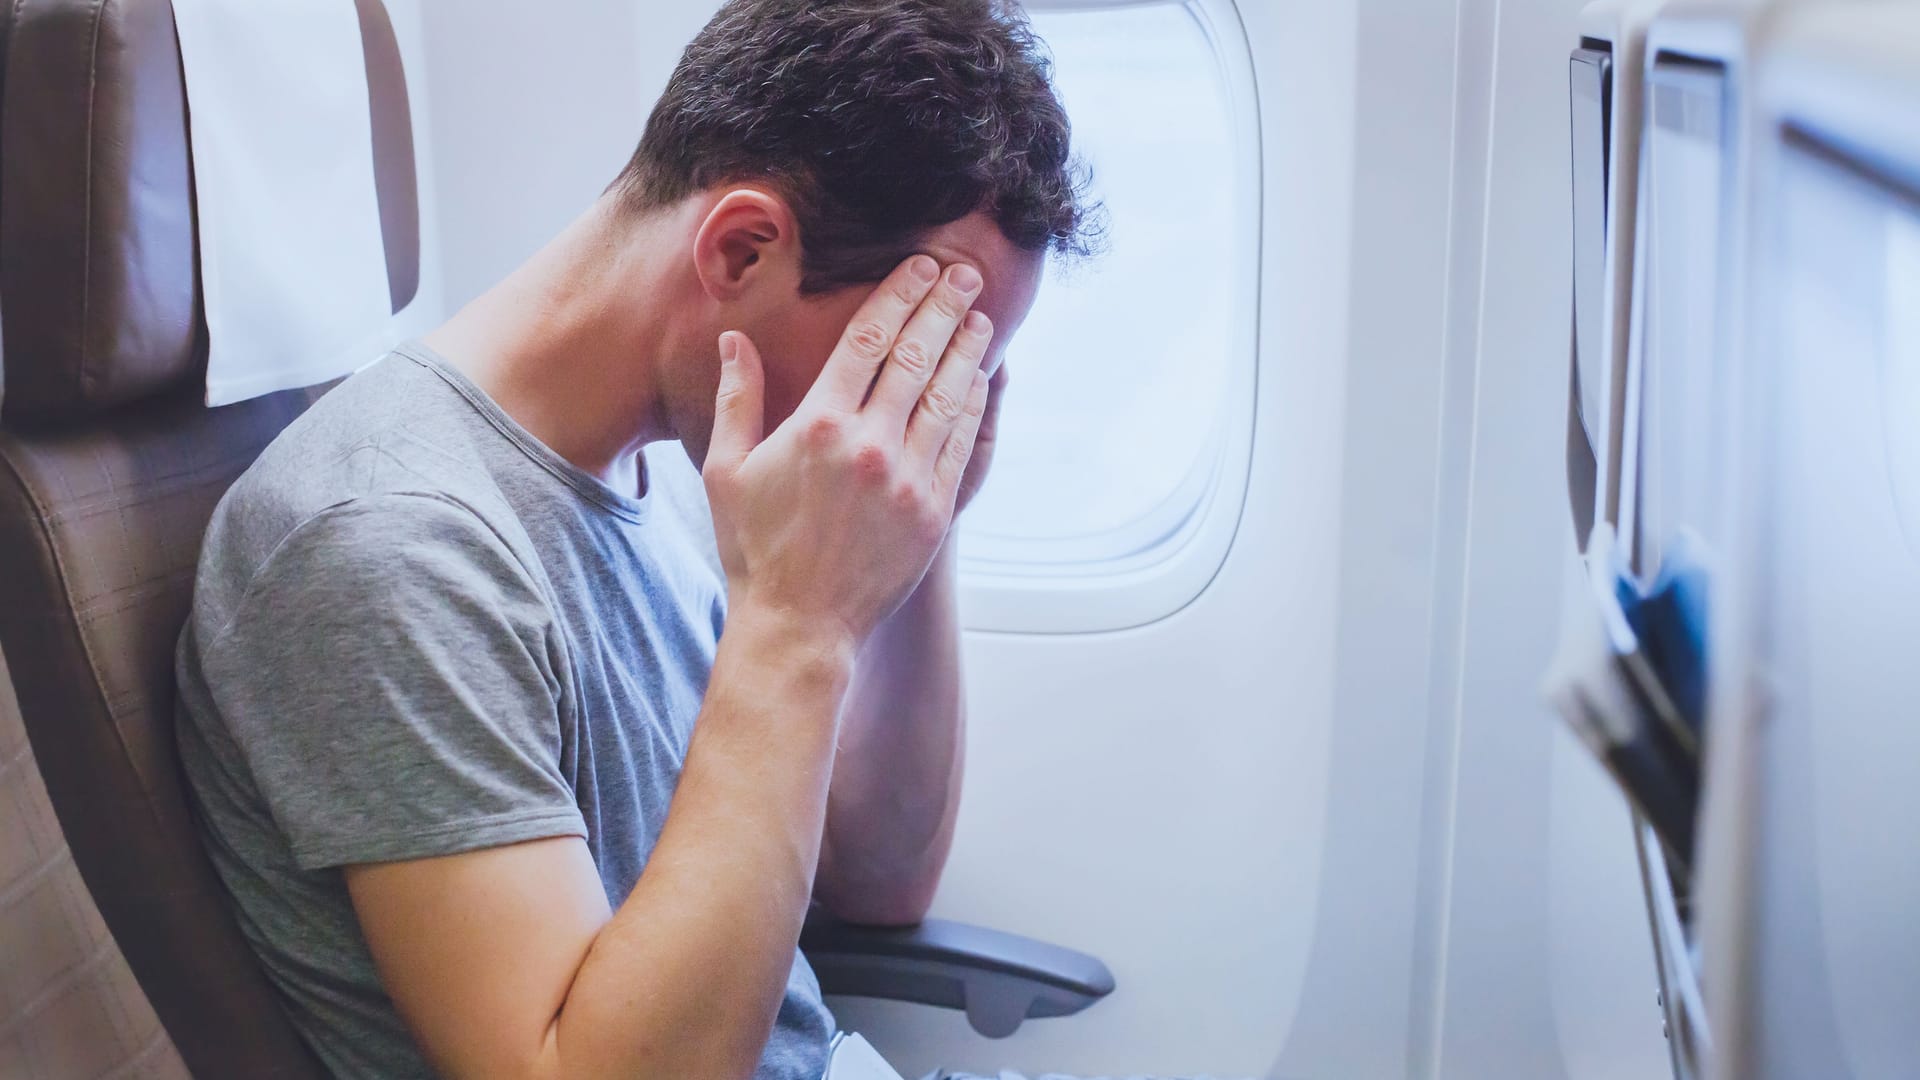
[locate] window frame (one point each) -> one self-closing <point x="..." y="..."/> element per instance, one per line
<point x="1189" y="536"/>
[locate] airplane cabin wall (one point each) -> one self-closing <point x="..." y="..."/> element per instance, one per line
<point x="1538" y="956"/>
<point x="1318" y="822"/>
<point x="1483" y="910"/>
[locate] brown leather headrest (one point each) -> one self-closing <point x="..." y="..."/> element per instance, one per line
<point x="99" y="263"/>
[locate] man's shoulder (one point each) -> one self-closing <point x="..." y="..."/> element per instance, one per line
<point x="393" y="427"/>
<point x="383" y="460"/>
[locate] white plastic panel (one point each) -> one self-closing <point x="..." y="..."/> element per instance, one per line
<point x="1622" y="26"/>
<point x="1836" y="950"/>
<point x="1668" y="485"/>
<point x="1900" y="404"/>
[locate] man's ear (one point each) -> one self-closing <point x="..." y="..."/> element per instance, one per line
<point x="747" y="236"/>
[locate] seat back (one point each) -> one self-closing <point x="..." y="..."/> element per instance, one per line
<point x="110" y="468"/>
<point x="68" y="1004"/>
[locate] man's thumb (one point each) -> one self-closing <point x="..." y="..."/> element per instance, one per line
<point x="739" y="412"/>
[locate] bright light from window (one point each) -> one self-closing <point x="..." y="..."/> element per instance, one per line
<point x="1113" y="430"/>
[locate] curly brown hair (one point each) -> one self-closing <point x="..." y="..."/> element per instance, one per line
<point x="879" y="120"/>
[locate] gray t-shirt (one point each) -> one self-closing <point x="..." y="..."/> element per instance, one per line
<point x="416" y="632"/>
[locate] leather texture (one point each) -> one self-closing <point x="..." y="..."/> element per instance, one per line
<point x="394" y="168"/>
<point x="97" y="281"/>
<point x="99" y="289"/>
<point x="69" y="1005"/>
<point x="100" y="527"/>
<point x="110" y="468"/>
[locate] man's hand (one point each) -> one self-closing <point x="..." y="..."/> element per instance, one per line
<point x="988" y="439"/>
<point x="836" y="516"/>
<point x="897" y="777"/>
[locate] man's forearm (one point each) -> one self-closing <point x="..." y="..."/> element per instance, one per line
<point x="896" y="787"/>
<point x="688" y="976"/>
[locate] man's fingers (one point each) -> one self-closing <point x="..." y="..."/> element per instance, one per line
<point x="850" y="371"/>
<point x="996" y="400"/>
<point x="923" y="345"/>
<point x="739" y="410"/>
<point x="958" y="451"/>
<point x="944" y="402"/>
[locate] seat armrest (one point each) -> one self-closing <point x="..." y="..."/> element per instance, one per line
<point x="1000" y="980"/>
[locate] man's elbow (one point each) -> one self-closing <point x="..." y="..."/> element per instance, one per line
<point x="895" y="900"/>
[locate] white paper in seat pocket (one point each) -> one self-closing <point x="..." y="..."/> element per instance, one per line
<point x="853" y="1058"/>
<point x="293" y="266"/>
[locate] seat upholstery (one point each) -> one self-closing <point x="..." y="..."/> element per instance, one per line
<point x="101" y="526"/>
<point x="110" y="468"/>
<point x="69" y="1005"/>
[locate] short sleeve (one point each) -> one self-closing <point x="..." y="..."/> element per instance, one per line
<point x="392" y="680"/>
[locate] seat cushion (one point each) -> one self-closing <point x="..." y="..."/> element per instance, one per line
<point x="69" y="1005"/>
<point x="100" y="529"/>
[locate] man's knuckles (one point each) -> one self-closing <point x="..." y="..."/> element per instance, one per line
<point x="912" y="358"/>
<point x="823" y="433"/>
<point x="941" y="406"/>
<point x="868" y="341"/>
<point x="871" y="465"/>
<point x="959" y="451"/>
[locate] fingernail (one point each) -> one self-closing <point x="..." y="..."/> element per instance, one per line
<point x="924" y="269"/>
<point x="978" y="323"/>
<point x="729" y="348"/>
<point x="966" y="278"/>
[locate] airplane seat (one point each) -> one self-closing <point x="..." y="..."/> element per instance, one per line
<point x="110" y="468"/>
<point x="69" y="1005"/>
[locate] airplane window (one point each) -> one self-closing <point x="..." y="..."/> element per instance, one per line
<point x="1112" y="437"/>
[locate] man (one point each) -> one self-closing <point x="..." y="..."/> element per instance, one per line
<point x="523" y="756"/>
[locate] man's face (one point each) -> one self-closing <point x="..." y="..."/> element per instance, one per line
<point x="796" y="343"/>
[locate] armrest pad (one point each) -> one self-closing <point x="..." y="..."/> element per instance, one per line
<point x="1000" y="980"/>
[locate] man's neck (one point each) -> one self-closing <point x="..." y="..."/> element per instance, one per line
<point x="573" y="345"/>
